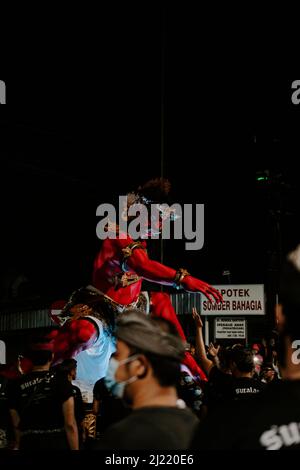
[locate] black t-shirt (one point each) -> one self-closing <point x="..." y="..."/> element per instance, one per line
<point x="153" y="428"/>
<point x="218" y="389"/>
<point x="223" y="388"/>
<point x="38" y="398"/>
<point x="112" y="409"/>
<point x="271" y="421"/>
<point x="244" y="388"/>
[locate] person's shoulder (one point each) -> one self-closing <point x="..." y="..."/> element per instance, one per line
<point x="129" y="428"/>
<point x="30" y="376"/>
<point x="149" y="428"/>
<point x="164" y="413"/>
<point x="135" y="420"/>
<point x="259" y="384"/>
<point x="127" y="434"/>
<point x="186" y="416"/>
<point x="217" y="374"/>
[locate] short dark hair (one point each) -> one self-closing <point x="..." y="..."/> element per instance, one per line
<point x="39" y="357"/>
<point x="67" y="365"/>
<point x="166" y="325"/>
<point x="166" y="370"/>
<point x="225" y="357"/>
<point x="243" y="359"/>
<point x="39" y="350"/>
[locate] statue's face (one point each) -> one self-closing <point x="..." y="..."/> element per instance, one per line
<point x="157" y="216"/>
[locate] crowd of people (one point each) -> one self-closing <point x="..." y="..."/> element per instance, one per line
<point x="117" y="374"/>
<point x="247" y="397"/>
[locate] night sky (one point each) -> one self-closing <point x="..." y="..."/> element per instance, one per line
<point x="104" y="124"/>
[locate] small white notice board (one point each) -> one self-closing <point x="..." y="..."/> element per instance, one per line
<point x="230" y="328"/>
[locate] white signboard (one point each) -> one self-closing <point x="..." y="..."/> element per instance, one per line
<point x="240" y="299"/>
<point x="230" y="328"/>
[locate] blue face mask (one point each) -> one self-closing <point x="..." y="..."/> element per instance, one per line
<point x="118" y="388"/>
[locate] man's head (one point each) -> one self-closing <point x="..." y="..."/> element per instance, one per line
<point x="225" y="359"/>
<point x="40" y="352"/>
<point x="146" y="356"/>
<point x="241" y="362"/>
<point x="69" y="367"/>
<point x="268" y="372"/>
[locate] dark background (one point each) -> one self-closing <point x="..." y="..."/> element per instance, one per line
<point x="91" y="116"/>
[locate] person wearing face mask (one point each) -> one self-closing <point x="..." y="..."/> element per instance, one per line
<point x="144" y="371"/>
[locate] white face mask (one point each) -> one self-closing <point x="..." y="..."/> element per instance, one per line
<point x="118" y="388"/>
